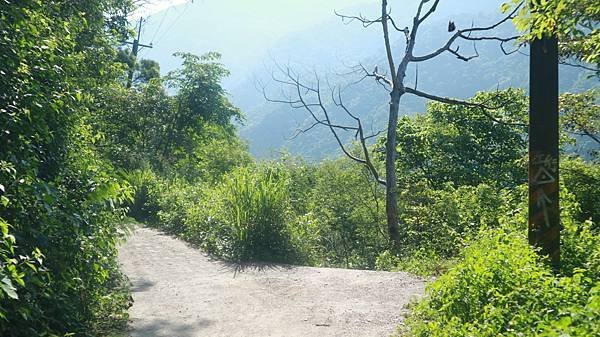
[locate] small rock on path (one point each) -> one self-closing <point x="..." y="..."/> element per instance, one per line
<point x="180" y="292"/>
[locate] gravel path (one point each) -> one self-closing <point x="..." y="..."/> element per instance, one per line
<point x="180" y="292"/>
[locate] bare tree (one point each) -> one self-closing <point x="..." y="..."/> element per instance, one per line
<point x="310" y="97"/>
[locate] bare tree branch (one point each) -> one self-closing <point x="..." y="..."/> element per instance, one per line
<point x="456" y="53"/>
<point x="586" y="132"/>
<point x="429" y="12"/>
<point x="347" y="19"/>
<point x="378" y="77"/>
<point x="386" y="38"/>
<point x="396" y="85"/>
<point x="300" y="130"/>
<point x="465" y="34"/>
<point x="483" y="106"/>
<point x="575" y="65"/>
<point x="583" y="133"/>
<point x="310" y="98"/>
<point x="367" y="161"/>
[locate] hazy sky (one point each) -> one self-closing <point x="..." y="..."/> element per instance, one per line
<point x="155" y="6"/>
<point x="284" y="15"/>
<point x="243" y="30"/>
<point x="247" y="31"/>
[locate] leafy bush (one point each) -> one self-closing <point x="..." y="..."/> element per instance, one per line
<point x="346" y="208"/>
<point x="216" y="154"/>
<point x="440" y="220"/>
<point x="305" y="236"/>
<point x="287" y="212"/>
<point x="173" y="199"/>
<point x="61" y="271"/>
<point x="502" y="287"/>
<point x="583" y="180"/>
<point x="143" y="208"/>
<point x="419" y="262"/>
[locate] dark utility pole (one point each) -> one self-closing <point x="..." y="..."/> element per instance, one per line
<point x="134" y="51"/>
<point x="544" y="216"/>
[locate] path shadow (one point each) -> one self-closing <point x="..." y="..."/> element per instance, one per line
<point x="226" y="265"/>
<point x="141" y="285"/>
<point x="166" y="328"/>
<point x="241" y="267"/>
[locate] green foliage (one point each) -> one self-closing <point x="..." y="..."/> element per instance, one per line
<point x="146" y="70"/>
<point x="583" y="180"/>
<point x="463" y="145"/>
<point x="458" y="167"/>
<point x="422" y="262"/>
<point x="189" y="134"/>
<point x="286" y="212"/>
<point x="502" y="287"/>
<point x="243" y="218"/>
<point x="215" y="154"/>
<point x="348" y="210"/>
<point x="439" y="221"/>
<point x="575" y="22"/>
<point x="130" y="122"/>
<point x="580" y="117"/>
<point x="437" y="224"/>
<point x="60" y="206"/>
<point x="143" y="182"/>
<point x="199" y="93"/>
<point x="173" y="201"/>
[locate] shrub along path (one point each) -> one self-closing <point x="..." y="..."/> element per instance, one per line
<point x="180" y="292"/>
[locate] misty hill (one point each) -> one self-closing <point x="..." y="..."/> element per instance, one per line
<point x="329" y="47"/>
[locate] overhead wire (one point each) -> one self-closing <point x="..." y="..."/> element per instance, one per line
<point x="183" y="11"/>
<point x="142" y="49"/>
<point x="162" y="20"/>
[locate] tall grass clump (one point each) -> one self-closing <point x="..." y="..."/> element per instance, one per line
<point x="244" y="218"/>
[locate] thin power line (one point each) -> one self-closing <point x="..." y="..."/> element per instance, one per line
<point x="162" y="20"/>
<point x="183" y="11"/>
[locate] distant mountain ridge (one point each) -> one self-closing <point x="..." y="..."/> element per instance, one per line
<point x="270" y="126"/>
<point x="330" y="47"/>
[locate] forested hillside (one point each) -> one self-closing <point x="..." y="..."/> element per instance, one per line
<point x="322" y="42"/>
<point x="271" y="127"/>
<point x="95" y="141"/>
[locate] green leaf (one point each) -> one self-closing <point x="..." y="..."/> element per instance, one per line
<point x="3" y="228"/>
<point x="4" y="200"/>
<point x="8" y="288"/>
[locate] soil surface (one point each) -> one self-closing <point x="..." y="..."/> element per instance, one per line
<point x="180" y="292"/>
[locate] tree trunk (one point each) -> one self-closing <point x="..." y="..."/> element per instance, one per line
<point x="391" y="194"/>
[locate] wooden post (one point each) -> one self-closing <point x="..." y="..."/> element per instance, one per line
<point x="134" y="52"/>
<point x="544" y="216"/>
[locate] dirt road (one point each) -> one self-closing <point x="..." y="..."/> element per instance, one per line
<point x="180" y="292"/>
